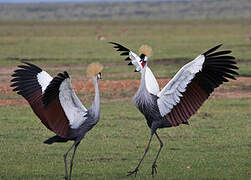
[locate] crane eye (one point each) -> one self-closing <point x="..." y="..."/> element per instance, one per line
<point x="99" y="75"/>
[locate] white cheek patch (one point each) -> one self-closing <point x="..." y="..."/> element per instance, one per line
<point x="151" y="83"/>
<point x="44" y="80"/>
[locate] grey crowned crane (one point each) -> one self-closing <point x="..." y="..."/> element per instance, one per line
<point x="184" y="93"/>
<point x="55" y="103"/>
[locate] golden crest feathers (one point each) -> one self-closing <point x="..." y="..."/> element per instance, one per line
<point x="93" y="69"/>
<point x="146" y="50"/>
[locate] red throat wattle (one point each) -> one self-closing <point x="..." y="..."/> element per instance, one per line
<point x="143" y="64"/>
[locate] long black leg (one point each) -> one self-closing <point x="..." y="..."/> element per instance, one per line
<point x="154" y="166"/>
<point x="137" y="168"/>
<point x="65" y="162"/>
<point x="75" y="148"/>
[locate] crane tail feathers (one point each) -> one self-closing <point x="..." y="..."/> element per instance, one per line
<point x="55" y="139"/>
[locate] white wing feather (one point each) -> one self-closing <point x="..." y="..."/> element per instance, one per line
<point x="135" y="60"/>
<point x="73" y="108"/>
<point x="170" y="95"/>
<point x="44" y="80"/>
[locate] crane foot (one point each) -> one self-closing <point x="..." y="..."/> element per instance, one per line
<point x="154" y="169"/>
<point x="133" y="172"/>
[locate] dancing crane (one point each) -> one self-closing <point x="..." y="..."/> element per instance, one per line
<point x="184" y="93"/>
<point x="55" y="103"/>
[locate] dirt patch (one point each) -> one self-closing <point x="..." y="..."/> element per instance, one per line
<point x="4" y="102"/>
<point x="241" y="88"/>
<point x="117" y="90"/>
<point x="122" y="90"/>
<point x="166" y="62"/>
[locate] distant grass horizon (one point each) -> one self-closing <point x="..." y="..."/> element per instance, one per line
<point x="124" y="10"/>
<point x="47" y="1"/>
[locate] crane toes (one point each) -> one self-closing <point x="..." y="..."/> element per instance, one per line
<point x="154" y="169"/>
<point x="133" y="172"/>
<point x="66" y="178"/>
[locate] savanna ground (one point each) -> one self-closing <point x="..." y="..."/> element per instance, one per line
<point x="216" y="145"/>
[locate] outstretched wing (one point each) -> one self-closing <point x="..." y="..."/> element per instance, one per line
<point x="193" y="84"/>
<point x="131" y="56"/>
<point x="30" y="81"/>
<point x="60" y="92"/>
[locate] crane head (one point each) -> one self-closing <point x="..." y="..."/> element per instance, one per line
<point x="94" y="70"/>
<point x="139" y="62"/>
<point x="145" y="52"/>
<point x="143" y="60"/>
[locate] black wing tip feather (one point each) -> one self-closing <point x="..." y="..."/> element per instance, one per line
<point x="212" y="53"/>
<point x="218" y="68"/>
<point x="30" y="65"/>
<point x="119" y="47"/>
<point x="113" y="43"/>
<point x="125" y="51"/>
<point x="24" y="79"/>
<point x="212" y="50"/>
<point x="116" y="45"/>
<point x="221" y="59"/>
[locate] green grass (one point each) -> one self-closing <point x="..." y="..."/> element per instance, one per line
<point x="74" y="43"/>
<point x="216" y="145"/>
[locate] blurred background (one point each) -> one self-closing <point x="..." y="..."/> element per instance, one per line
<point x="64" y="35"/>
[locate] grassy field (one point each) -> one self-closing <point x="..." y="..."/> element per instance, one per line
<point x="215" y="146"/>
<point x="76" y="43"/>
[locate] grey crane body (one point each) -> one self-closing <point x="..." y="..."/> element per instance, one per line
<point x="91" y="117"/>
<point x="147" y="105"/>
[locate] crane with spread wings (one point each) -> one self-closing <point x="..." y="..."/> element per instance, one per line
<point x="183" y="95"/>
<point x="55" y="103"/>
